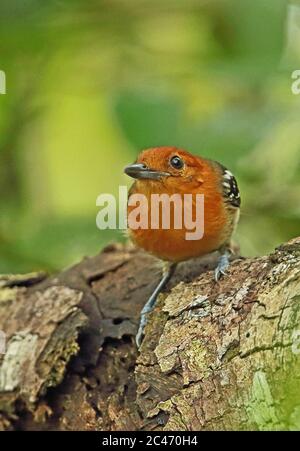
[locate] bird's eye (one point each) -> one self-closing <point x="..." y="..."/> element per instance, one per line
<point x="176" y="162"/>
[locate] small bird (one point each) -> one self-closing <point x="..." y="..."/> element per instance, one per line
<point x="170" y="170"/>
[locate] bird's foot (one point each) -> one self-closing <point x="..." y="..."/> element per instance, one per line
<point x="143" y="321"/>
<point x="223" y="265"/>
<point x="148" y="307"/>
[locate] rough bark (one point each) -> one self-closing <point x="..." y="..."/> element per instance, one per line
<point x="215" y="356"/>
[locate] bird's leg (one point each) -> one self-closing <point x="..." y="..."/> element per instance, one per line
<point x="223" y="264"/>
<point x="167" y="274"/>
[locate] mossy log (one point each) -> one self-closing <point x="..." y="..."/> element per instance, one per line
<point x="215" y="355"/>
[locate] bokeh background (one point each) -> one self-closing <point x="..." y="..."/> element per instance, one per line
<point x="90" y="83"/>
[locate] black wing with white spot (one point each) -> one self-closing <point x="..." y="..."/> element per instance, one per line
<point x="230" y="188"/>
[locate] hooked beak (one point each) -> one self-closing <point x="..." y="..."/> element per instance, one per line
<point x="141" y="171"/>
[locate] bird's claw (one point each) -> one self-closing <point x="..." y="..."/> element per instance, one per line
<point x="222" y="266"/>
<point x="139" y="337"/>
<point x="148" y="307"/>
<point x="140" y="333"/>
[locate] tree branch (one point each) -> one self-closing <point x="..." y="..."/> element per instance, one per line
<point x="215" y="356"/>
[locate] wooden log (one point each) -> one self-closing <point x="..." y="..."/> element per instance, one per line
<point x="215" y="355"/>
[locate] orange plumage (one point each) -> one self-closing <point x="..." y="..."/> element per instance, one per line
<point x="196" y="176"/>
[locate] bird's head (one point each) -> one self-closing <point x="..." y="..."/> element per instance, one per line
<point x="168" y="165"/>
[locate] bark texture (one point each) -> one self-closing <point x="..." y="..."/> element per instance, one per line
<point x="215" y="356"/>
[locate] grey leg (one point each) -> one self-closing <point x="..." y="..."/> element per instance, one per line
<point x="151" y="302"/>
<point x="222" y="265"/>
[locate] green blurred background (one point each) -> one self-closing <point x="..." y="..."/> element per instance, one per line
<point x="90" y="83"/>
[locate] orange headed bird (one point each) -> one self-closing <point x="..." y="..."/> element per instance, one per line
<point x="169" y="170"/>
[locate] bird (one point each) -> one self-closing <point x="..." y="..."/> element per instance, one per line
<point x="171" y="170"/>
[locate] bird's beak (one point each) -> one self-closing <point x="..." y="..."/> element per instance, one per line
<point x="141" y="171"/>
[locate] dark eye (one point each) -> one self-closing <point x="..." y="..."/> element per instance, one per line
<point x="176" y="162"/>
